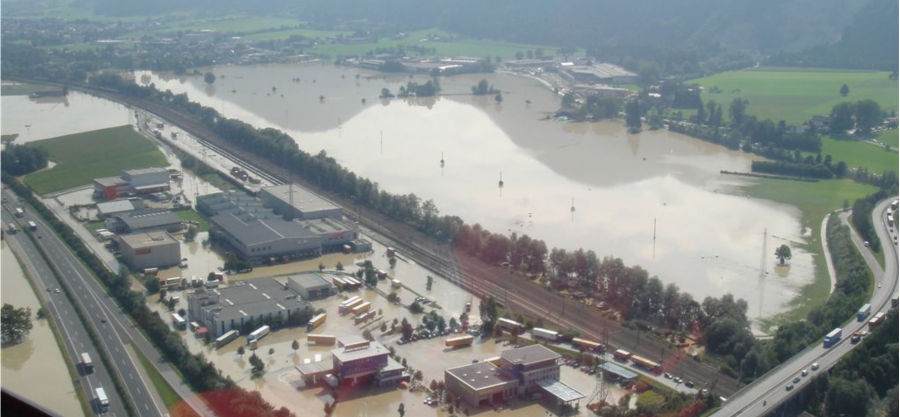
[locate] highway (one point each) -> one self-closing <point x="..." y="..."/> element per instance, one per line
<point x="115" y="327"/>
<point x="769" y="391"/>
<point x="71" y="329"/>
<point x="141" y="393"/>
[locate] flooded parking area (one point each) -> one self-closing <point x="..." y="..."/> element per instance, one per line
<point x="648" y="198"/>
<point x="34" y="368"/>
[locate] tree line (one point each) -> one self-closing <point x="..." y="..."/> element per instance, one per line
<point x="223" y="395"/>
<point x="20" y="160"/>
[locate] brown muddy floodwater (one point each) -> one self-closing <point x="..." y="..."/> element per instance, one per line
<point x="35" y="119"/>
<point x="34" y="368"/>
<point x="708" y="236"/>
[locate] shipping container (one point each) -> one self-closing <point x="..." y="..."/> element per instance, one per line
<point x="545" y="334"/>
<point x="258" y="334"/>
<point x="179" y="321"/>
<point x="622" y="354"/>
<point x="321" y="339"/>
<point x="365" y="306"/>
<point x="225" y="338"/>
<point x="315" y="322"/>
<point x="644" y="363"/>
<point x="587" y="344"/>
<point x="459" y="341"/>
<point x="875" y="321"/>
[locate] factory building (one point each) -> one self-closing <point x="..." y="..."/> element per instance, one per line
<point x="111" y="208"/>
<point x="295" y="202"/>
<point x="261" y="235"/>
<point x="521" y="372"/>
<point x="354" y="361"/>
<point x="132" y="181"/>
<point x="262" y="301"/>
<point x="311" y="286"/>
<point x="149" y="250"/>
<point x="144" y="220"/>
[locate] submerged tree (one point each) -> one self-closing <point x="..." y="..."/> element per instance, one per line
<point x="783" y="253"/>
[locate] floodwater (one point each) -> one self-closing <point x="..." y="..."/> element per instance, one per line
<point x="656" y="199"/>
<point x="36" y="119"/>
<point x="34" y="368"/>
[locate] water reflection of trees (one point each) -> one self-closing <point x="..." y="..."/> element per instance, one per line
<point x="428" y="102"/>
<point x="16" y="355"/>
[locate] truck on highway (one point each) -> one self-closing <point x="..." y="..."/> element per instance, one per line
<point x="895" y="300"/>
<point x="863" y="312"/>
<point x="20" y="212"/>
<point x="102" y="400"/>
<point x="622" y="355"/>
<point x="459" y="341"/>
<point x="321" y="339"/>
<point x="225" y="338"/>
<point x="12" y="228"/>
<point x="258" y="334"/>
<point x="32" y="226"/>
<point x="315" y="322"/>
<point x="550" y="335"/>
<point x="86" y="364"/>
<point x="832" y="337"/>
<point x="875" y="321"/>
<point x="895" y="204"/>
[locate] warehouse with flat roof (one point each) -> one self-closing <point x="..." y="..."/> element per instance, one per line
<point x="149" y="250"/>
<point x="247" y="306"/>
<point x="144" y="220"/>
<point x="260" y="235"/>
<point x="132" y="181"/>
<point x="296" y="202"/>
<point x="311" y="285"/>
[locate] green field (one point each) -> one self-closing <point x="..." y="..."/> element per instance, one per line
<point x="861" y="154"/>
<point x="81" y="157"/>
<point x="815" y="200"/>
<point x="889" y="137"/>
<point x="797" y="95"/>
<point x="287" y="33"/>
<point x="230" y="24"/>
<point x="193" y="215"/>
<point x="20" y="89"/>
<point x="457" y="47"/>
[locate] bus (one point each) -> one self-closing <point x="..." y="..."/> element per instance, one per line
<point x="86" y="364"/>
<point x="102" y="400"/>
<point x="509" y="325"/>
<point x="644" y="363"/>
<point x="832" y="337"/>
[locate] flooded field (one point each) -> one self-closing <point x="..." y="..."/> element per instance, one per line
<point x="649" y="198"/>
<point x="34" y="368"/>
<point x="36" y="119"/>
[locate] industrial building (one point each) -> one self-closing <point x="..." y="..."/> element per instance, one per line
<point x="601" y="73"/>
<point x="110" y="208"/>
<point x="357" y="359"/>
<point x="260" y="235"/>
<point x="144" y="220"/>
<point x="311" y="286"/>
<point x="264" y="300"/>
<point x="295" y="202"/>
<point x="132" y="181"/>
<point x="521" y="372"/>
<point x="149" y="250"/>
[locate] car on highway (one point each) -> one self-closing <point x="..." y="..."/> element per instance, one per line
<point x="689" y="384"/>
<point x="815" y="366"/>
<point x="667" y="375"/>
<point x="804" y="372"/>
<point x="797" y="380"/>
<point x="789" y="387"/>
<point x="57" y="291"/>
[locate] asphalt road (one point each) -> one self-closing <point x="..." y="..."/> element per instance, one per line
<point x="71" y="328"/>
<point x="117" y="327"/>
<point x="771" y="390"/>
<point x="110" y="335"/>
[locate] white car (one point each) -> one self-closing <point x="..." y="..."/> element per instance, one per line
<point x="815" y="366"/>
